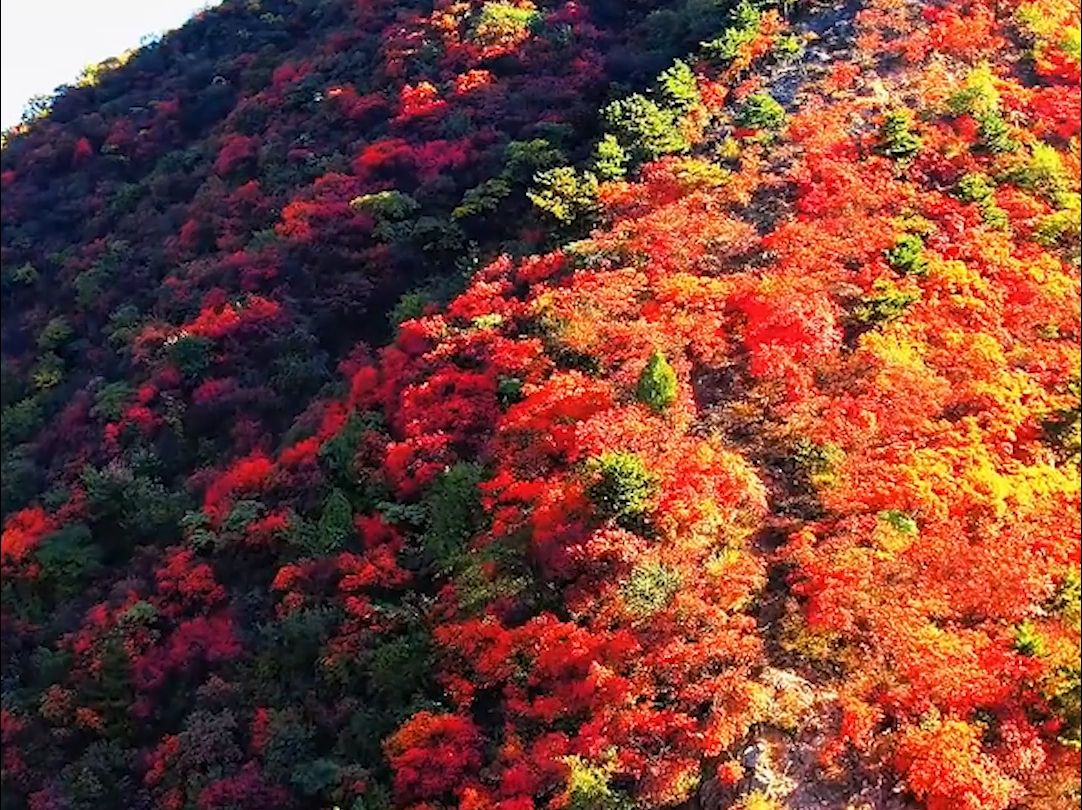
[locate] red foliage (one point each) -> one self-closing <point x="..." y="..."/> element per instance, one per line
<point x="247" y="475"/>
<point x="422" y="99"/>
<point x="206" y="640"/>
<point x="23" y="530"/>
<point x="185" y="585"/>
<point x="246" y="788"/>
<point x="863" y="419"/>
<point x="218" y="320"/>
<point x="944" y="767"/>
<point x="236" y="152"/>
<point x="432" y="755"/>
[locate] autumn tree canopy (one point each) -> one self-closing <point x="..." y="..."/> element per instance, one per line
<point x="567" y="405"/>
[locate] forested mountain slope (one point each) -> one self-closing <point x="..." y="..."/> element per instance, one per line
<point x="589" y="405"/>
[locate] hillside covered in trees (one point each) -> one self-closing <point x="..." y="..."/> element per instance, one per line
<point x="597" y="405"/>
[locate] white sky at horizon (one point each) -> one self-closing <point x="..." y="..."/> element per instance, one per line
<point x="46" y="43"/>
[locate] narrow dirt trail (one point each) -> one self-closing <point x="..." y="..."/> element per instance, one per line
<point x="780" y="758"/>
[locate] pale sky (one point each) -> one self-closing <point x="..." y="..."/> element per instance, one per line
<point x="45" y="43"/>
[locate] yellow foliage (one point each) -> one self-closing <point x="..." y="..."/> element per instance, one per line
<point x="758" y="800"/>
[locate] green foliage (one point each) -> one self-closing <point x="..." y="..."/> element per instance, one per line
<point x="20" y="480"/>
<point x="99" y="777"/>
<point x="508" y="390"/>
<point x="48" y="372"/>
<point x="622" y="488"/>
<point x="409" y="307"/>
<point x="433" y="236"/>
<point x="316" y="776"/>
<point x="980" y="99"/>
<point x="400" y="668"/>
<point x="91" y="282"/>
<point x="588" y="788"/>
<point x="761" y="111"/>
<point x="896" y="136"/>
<point x="483" y="199"/>
<point x="23" y="275"/>
<point x="262" y="239"/>
<point x="391" y="205"/>
<point x="1071" y="42"/>
<point x="197" y="532"/>
<point x="109" y="401"/>
<point x="1066" y="700"/>
<point x="1068" y="599"/>
<point x="979" y="189"/>
<point x="290" y="649"/>
<point x="644" y="129"/>
<point x="742" y="29"/>
<point x="565" y="194"/>
<point x="126" y="198"/>
<point x="55" y="498"/>
<point x="817" y="462"/>
<point x="93" y="73"/>
<point x="1063" y="427"/>
<point x="1028" y="640"/>
<point x="403" y="514"/>
<point x="697" y="173"/>
<point x="975" y="188"/>
<point x="436" y="236"/>
<point x="978" y="95"/>
<point x="20" y="421"/>
<point x="677" y="87"/>
<point x="141" y="614"/>
<point x="498" y="22"/>
<point x="130" y="505"/>
<point x="1065" y="689"/>
<point x="476" y="587"/>
<point x="900" y="521"/>
<point x="55" y="334"/>
<point x="300" y="368"/>
<point x="522" y="159"/>
<point x="123" y="325"/>
<point x="112" y="693"/>
<point x="37" y="106"/>
<point x="610" y="159"/>
<point x="1043" y="173"/>
<point x="68" y="557"/>
<point x="641" y="129"/>
<point x="907" y="255"/>
<point x="290" y="740"/>
<point x="995" y="217"/>
<point x="335" y="522"/>
<point x="788" y="48"/>
<point x="88" y="287"/>
<point x="1060" y="227"/>
<point x="454" y="507"/>
<point x="649" y="588"/>
<point x="190" y="354"/>
<point x="886" y="302"/>
<point x="244" y="511"/>
<point x="994" y="134"/>
<point x="49" y="665"/>
<point x="657" y="383"/>
<point x="337" y="453"/>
